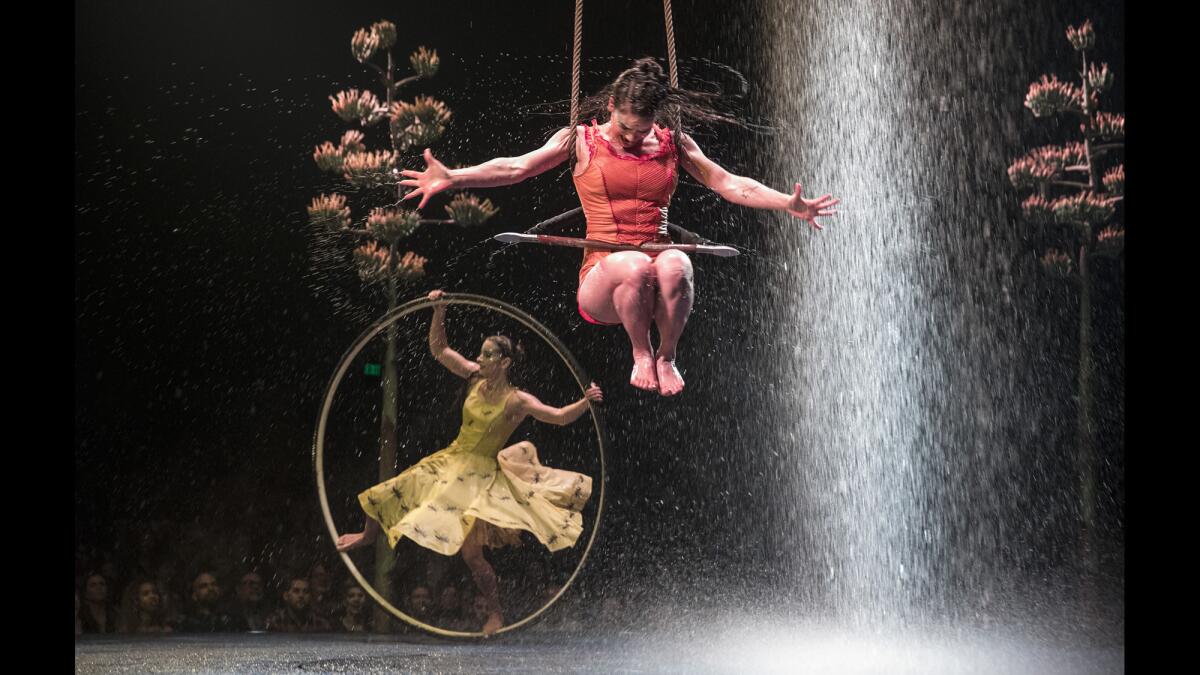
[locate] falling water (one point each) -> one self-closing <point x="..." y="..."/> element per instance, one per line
<point x="911" y="390"/>
<point x="858" y="365"/>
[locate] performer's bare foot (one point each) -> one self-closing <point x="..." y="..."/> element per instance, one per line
<point x="670" y="382"/>
<point x="494" y="623"/>
<point x="643" y="375"/>
<point x="354" y="540"/>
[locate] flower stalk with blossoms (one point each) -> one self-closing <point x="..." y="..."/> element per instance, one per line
<point x="1077" y="200"/>
<point x="1067" y="184"/>
<point x="412" y="126"/>
<point x="378" y="253"/>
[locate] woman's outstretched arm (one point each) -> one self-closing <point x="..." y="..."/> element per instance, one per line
<point x="528" y="404"/>
<point x="749" y="192"/>
<point x="492" y="173"/>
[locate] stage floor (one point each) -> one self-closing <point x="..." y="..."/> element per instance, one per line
<point x="714" y="648"/>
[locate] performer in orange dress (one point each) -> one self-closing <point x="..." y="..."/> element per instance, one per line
<point x="625" y="172"/>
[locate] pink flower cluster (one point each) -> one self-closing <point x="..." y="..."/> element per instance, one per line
<point x="1050" y="96"/>
<point x="329" y="211"/>
<point x="468" y="210"/>
<point x="1083" y="37"/>
<point x="1037" y="209"/>
<point x="392" y="224"/>
<point x="371" y="260"/>
<point x="424" y="62"/>
<point x="1111" y="237"/>
<point x="332" y="158"/>
<point x="420" y="123"/>
<point x="1057" y="261"/>
<point x="367" y="41"/>
<point x="352" y="141"/>
<point x="364" y="44"/>
<point x="1099" y="78"/>
<point x="368" y="169"/>
<point x="1108" y="126"/>
<point x="1029" y="172"/>
<point x="357" y="106"/>
<point x="411" y="266"/>
<point x="1045" y="163"/>
<point x="1114" y="180"/>
<point x="1084" y="208"/>
<point x="328" y="157"/>
<point x="385" y="32"/>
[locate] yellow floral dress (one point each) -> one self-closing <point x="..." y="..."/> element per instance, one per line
<point x="471" y="485"/>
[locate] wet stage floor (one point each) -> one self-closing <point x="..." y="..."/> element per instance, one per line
<point x="701" y="646"/>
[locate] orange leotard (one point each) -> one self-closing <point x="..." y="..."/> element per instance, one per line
<point x="625" y="198"/>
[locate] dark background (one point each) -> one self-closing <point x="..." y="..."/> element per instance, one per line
<point x="208" y="318"/>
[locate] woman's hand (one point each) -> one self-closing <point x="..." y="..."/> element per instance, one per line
<point x="593" y="393"/>
<point x="810" y="209"/>
<point x="437" y="333"/>
<point x="439" y="309"/>
<point x="427" y="183"/>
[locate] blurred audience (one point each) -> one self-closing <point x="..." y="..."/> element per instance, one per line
<point x="97" y="615"/>
<point x="296" y="615"/>
<point x="142" y="609"/>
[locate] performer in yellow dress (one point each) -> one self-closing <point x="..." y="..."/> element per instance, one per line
<point x="476" y="492"/>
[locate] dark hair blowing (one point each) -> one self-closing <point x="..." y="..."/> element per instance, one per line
<point x="645" y="89"/>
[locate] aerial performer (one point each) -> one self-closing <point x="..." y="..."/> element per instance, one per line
<point x="477" y="492"/>
<point x="625" y="172"/>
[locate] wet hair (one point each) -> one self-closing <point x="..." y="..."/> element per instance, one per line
<point x="645" y="89"/>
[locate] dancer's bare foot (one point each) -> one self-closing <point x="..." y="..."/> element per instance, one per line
<point x="494" y="623"/>
<point x="670" y="382"/>
<point x="643" y="375"/>
<point x="354" y="540"/>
